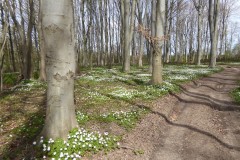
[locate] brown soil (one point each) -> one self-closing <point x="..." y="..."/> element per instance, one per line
<point x="200" y="123"/>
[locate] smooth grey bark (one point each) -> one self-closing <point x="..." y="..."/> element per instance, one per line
<point x="153" y="33"/>
<point x="225" y="10"/>
<point x="134" y="54"/>
<point x="206" y="43"/>
<point x="122" y="29"/>
<point x="158" y="45"/>
<point x="213" y="26"/>
<point x="84" y="34"/>
<point x="140" y="61"/>
<point x="165" y="30"/>
<point x="126" y="60"/>
<point x="111" y="36"/>
<point x="101" y="33"/>
<point x="199" y="7"/>
<point x="169" y="31"/>
<point x="89" y="34"/>
<point x="141" y="20"/>
<point x="191" y="40"/>
<point x="128" y="32"/>
<point x="106" y="32"/>
<point x="177" y="56"/>
<point x="58" y="32"/>
<point x="43" y="76"/>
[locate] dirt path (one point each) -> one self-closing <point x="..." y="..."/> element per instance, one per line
<point x="200" y="123"/>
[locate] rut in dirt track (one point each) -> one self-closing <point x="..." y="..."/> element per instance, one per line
<point x="205" y="123"/>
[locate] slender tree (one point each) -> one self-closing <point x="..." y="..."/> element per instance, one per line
<point x="128" y="32"/>
<point x="153" y="33"/>
<point x="213" y="26"/>
<point x="158" y="42"/>
<point x="199" y="7"/>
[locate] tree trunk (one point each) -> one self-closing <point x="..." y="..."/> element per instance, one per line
<point x="122" y="10"/>
<point x="199" y="7"/>
<point x="22" y="47"/>
<point x="28" y="55"/>
<point x="128" y="32"/>
<point x="169" y="31"/>
<point x="84" y="52"/>
<point x="199" y="50"/>
<point x="158" y="45"/>
<point x="142" y="21"/>
<point x="153" y="33"/>
<point x="176" y="37"/>
<point x="101" y="33"/>
<point x="5" y="26"/>
<point x="11" y="47"/>
<point x="43" y="76"/>
<point x="213" y="20"/>
<point x="126" y="60"/>
<point x="58" y="38"/>
<point x="107" y="57"/>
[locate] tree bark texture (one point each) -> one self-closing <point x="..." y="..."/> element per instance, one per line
<point x="158" y="45"/>
<point x="58" y="33"/>
<point x="153" y="33"/>
<point x="213" y="20"/>
<point x="128" y="32"/>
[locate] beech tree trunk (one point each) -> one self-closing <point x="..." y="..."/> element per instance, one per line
<point x="43" y="76"/>
<point x="128" y="32"/>
<point x="213" y="20"/>
<point x="28" y="55"/>
<point x="153" y="33"/>
<point x="158" y="45"/>
<point x="58" y="38"/>
<point x="142" y="21"/>
<point x="169" y="32"/>
<point x="107" y="57"/>
<point x="101" y="33"/>
<point x="199" y="7"/>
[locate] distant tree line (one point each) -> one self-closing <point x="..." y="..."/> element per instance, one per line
<point x="110" y="32"/>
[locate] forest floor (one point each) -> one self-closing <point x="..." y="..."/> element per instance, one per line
<point x="185" y="118"/>
<point x="202" y="122"/>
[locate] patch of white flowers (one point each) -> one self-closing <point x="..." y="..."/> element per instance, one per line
<point x="30" y="85"/>
<point x="105" y="79"/>
<point x="185" y="73"/>
<point x="80" y="141"/>
<point x="126" y="119"/>
<point x="81" y="117"/>
<point x="179" y="77"/>
<point x="144" y="75"/>
<point x="120" y="115"/>
<point x="97" y="95"/>
<point x="121" y="92"/>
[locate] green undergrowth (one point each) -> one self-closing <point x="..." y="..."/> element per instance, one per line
<point x="28" y="85"/>
<point x="125" y="119"/>
<point x="236" y="94"/>
<point x="102" y="96"/>
<point x="111" y="88"/>
<point x="10" y="78"/>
